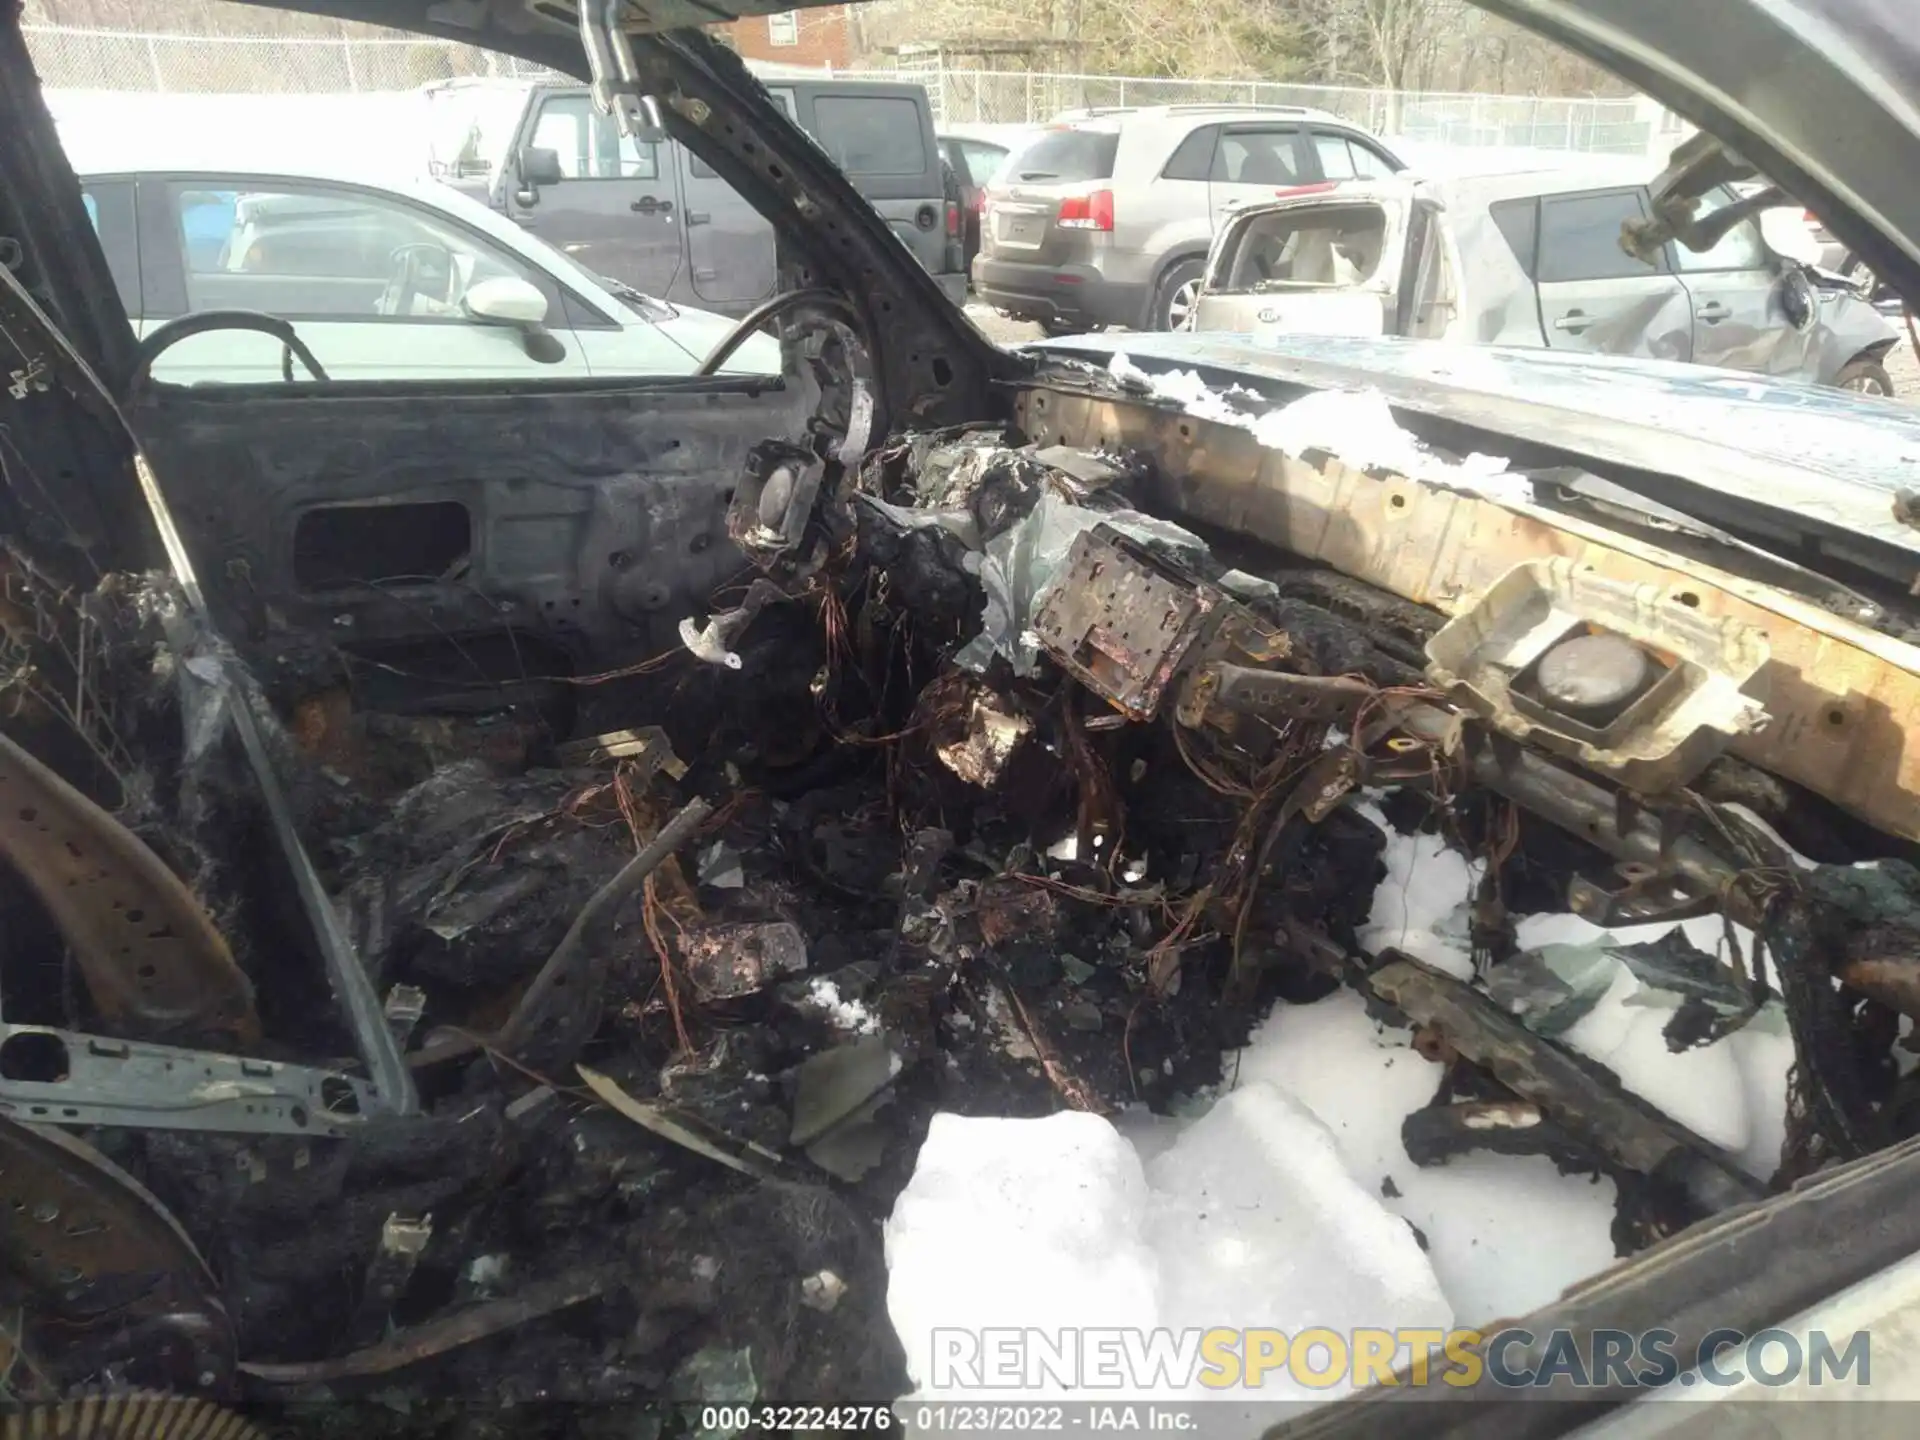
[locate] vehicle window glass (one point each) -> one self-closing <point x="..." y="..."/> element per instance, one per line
<point x="589" y="144"/>
<point x="1335" y="161"/>
<point x="110" y="208"/>
<point x="1368" y="163"/>
<point x="329" y="254"/>
<point x="1518" y="223"/>
<point x="1333" y="245"/>
<point x="872" y="134"/>
<point x="1193" y="160"/>
<point x="1741" y="248"/>
<point x="1580" y="237"/>
<point x="1061" y="155"/>
<point x="1256" y="157"/>
<point x="983" y="160"/>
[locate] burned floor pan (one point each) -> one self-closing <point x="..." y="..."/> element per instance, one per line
<point x="1068" y="813"/>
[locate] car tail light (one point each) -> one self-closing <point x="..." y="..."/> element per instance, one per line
<point x="953" y="218"/>
<point x="1087" y="212"/>
<point x="1316" y="188"/>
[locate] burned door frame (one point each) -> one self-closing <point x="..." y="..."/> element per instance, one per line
<point x="595" y="513"/>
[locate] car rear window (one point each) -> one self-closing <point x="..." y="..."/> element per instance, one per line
<point x="1066" y="155"/>
<point x="872" y="134"/>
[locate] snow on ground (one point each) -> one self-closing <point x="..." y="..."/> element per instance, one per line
<point x="1249" y="1219"/>
<point x="1291" y="1202"/>
<point x="1420" y="909"/>
<point x="1505" y="1233"/>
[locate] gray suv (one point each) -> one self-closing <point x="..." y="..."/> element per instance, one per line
<point x="1106" y="220"/>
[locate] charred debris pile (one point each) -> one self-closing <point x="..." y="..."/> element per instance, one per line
<point x="993" y="794"/>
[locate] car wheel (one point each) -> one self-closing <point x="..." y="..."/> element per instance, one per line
<point x="1866" y="377"/>
<point x="1176" y="296"/>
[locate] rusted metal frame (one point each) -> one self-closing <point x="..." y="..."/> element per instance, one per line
<point x="152" y="960"/>
<point x="1587" y="1102"/>
<point x="107" y="1264"/>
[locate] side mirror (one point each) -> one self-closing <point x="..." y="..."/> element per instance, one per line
<point x="505" y="301"/>
<point x="1799" y="301"/>
<point x="510" y="301"/>
<point x="539" y="166"/>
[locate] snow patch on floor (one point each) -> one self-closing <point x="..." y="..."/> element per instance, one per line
<point x="1505" y="1233"/>
<point x="1249" y="1218"/>
<point x="1355" y="426"/>
<point x="1291" y="1201"/>
<point x="1421" y="908"/>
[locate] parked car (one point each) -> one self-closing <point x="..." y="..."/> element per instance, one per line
<point x="402" y="280"/>
<point x="1107" y="220"/>
<point x="986" y="146"/>
<point x="658" y="218"/>
<point x="1535" y="258"/>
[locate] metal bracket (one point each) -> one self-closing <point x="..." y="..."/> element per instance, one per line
<point x="95" y="1081"/>
<point x="616" y="77"/>
<point x="1637" y="895"/>
<point x="34" y="375"/>
<point x="1269" y="694"/>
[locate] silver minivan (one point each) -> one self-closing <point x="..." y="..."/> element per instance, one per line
<point x="1535" y="258"/>
<point x="1106" y="220"/>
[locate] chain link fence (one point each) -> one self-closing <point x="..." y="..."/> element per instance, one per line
<point x="96" y="60"/>
<point x="76" y="59"/>
<point x="1628" y="126"/>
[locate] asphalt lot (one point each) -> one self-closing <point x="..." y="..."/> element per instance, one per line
<point x="1902" y="366"/>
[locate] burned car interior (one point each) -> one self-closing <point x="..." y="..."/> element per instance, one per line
<point x="500" y="877"/>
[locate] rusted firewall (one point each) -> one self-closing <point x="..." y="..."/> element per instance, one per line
<point x="1842" y="698"/>
<point x="151" y="958"/>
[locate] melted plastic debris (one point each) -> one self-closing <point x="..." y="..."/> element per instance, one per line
<point x="1732" y="1092"/>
